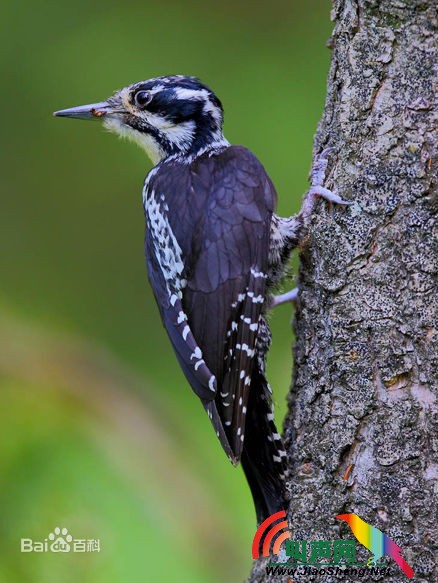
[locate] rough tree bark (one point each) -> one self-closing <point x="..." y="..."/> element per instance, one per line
<point x="361" y="432"/>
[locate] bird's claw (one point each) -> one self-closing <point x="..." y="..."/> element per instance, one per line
<point x="318" y="177"/>
<point x="290" y="296"/>
<point x="328" y="195"/>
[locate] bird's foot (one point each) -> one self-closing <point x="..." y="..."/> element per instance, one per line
<point x="290" y="296"/>
<point x="317" y="178"/>
<point x="319" y="166"/>
<point x="327" y="195"/>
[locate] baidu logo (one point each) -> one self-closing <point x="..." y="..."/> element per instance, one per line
<point x="60" y="541"/>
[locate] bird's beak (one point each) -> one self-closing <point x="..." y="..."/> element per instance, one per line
<point x="92" y="111"/>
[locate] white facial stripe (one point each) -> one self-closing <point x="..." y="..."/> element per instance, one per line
<point x="213" y="111"/>
<point x="181" y="135"/>
<point x="183" y="93"/>
<point x="155" y="120"/>
<point x="157" y="89"/>
<point x="145" y="141"/>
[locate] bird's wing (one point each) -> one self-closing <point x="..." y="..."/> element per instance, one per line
<point x="220" y="212"/>
<point x="166" y="275"/>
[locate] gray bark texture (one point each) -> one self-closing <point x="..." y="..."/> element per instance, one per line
<point x="361" y="433"/>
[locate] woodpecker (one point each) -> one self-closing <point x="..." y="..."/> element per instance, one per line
<point x="215" y="250"/>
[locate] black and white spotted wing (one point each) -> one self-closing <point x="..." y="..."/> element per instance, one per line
<point x="215" y="215"/>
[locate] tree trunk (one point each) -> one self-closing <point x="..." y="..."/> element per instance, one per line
<point x="361" y="433"/>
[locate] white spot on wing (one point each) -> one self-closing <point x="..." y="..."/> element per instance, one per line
<point x="258" y="273"/>
<point x="197" y="353"/>
<point x="198" y="364"/>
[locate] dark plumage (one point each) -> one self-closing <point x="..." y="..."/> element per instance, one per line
<point x="219" y="210"/>
<point x="214" y="250"/>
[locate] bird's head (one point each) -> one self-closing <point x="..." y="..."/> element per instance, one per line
<point x="165" y="115"/>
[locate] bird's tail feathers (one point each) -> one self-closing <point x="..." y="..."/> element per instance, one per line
<point x="263" y="456"/>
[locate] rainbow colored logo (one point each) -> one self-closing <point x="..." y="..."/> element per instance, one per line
<point x="273" y="532"/>
<point x="376" y="541"/>
<point x="270" y="532"/>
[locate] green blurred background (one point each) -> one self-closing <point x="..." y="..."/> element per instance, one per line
<point x="99" y="431"/>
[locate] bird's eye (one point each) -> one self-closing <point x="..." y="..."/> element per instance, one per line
<point x="142" y="98"/>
